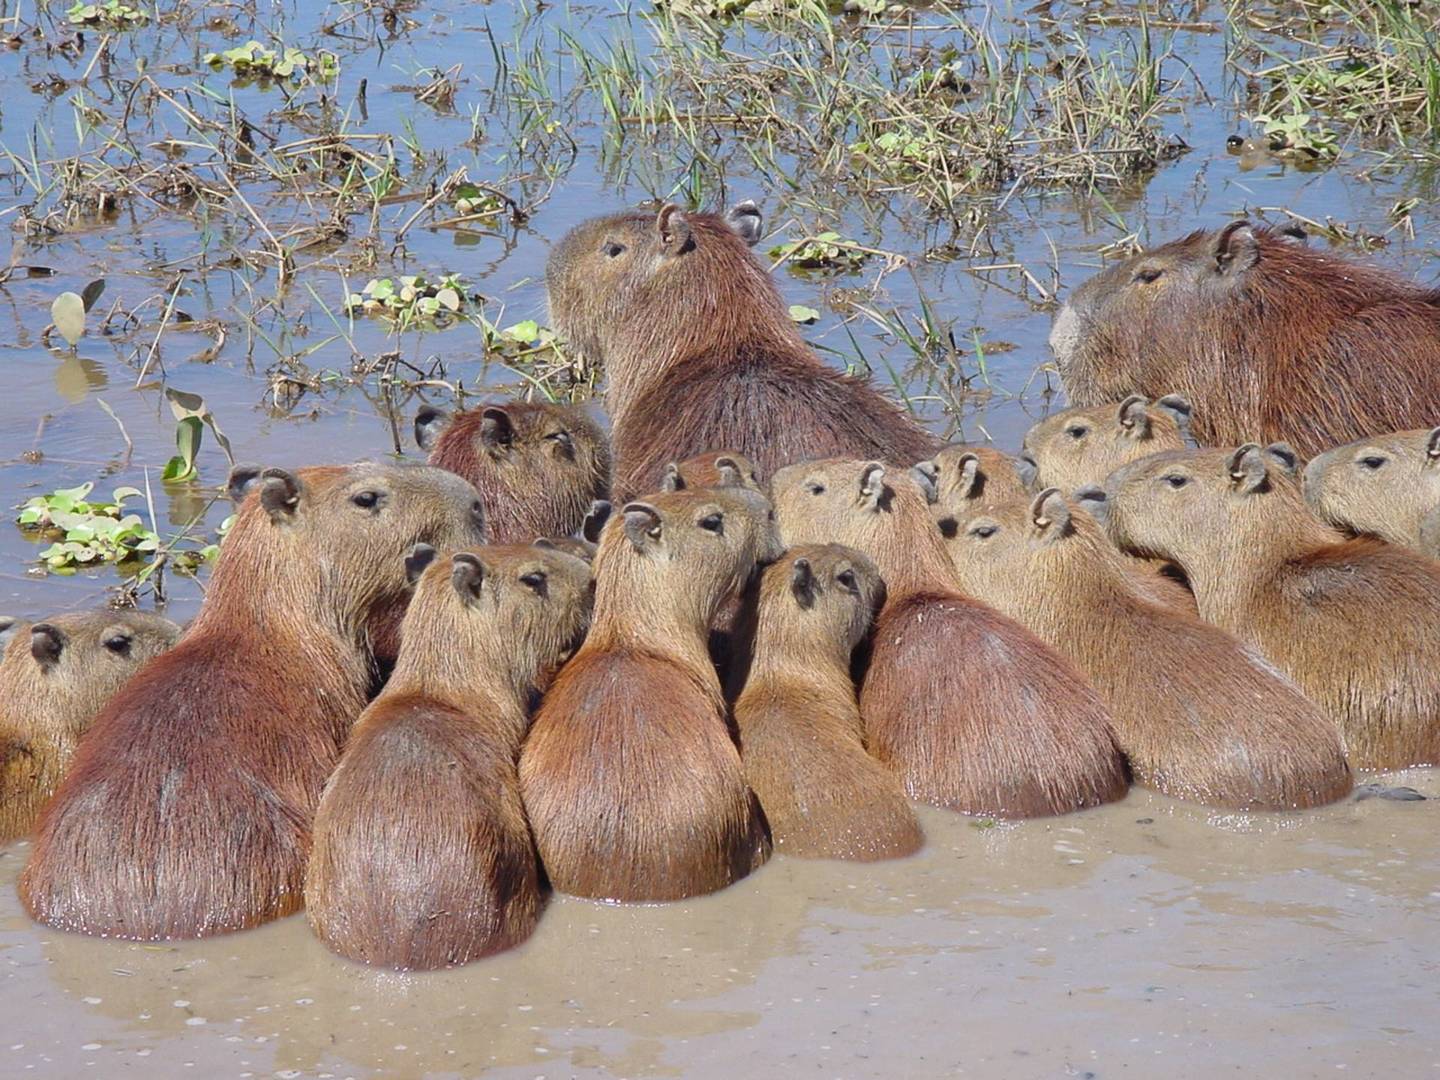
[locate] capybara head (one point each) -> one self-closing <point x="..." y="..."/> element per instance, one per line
<point x="1387" y="486"/>
<point x="719" y="468"/>
<point x="584" y="540"/>
<point x="815" y="596"/>
<point x="327" y="543"/>
<point x="961" y="476"/>
<point x="537" y="465"/>
<point x="1083" y="446"/>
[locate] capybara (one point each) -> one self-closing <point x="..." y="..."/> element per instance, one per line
<point x="717" y="468"/>
<point x="537" y="465"/>
<point x="55" y="676"/>
<point x="582" y="542"/>
<point x="975" y="712"/>
<point x="1200" y="715"/>
<point x="1081" y="446"/>
<point x="1352" y="622"/>
<point x="422" y="855"/>
<point x="700" y="352"/>
<point x="801" y="739"/>
<point x="1267" y="338"/>
<point x="1386" y="486"/>
<point x="187" y="809"/>
<point x="630" y="774"/>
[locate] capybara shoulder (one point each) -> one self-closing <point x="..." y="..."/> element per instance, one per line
<point x="1386" y="486"/>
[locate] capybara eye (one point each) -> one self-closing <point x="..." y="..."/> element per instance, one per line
<point x="1175" y="480"/>
<point x="118" y="643"/>
<point x="1146" y="274"/>
<point x="846" y="578"/>
<point x="612" y="248"/>
<point x="984" y="532"/>
<point x="816" y="489"/>
<point x="714" y="523"/>
<point x="1077" y="431"/>
<point x="535" y="579"/>
<point x="1372" y="462"/>
<point x="366" y="500"/>
<point x="561" y="437"/>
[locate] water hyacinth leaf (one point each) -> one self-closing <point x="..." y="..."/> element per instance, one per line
<point x="449" y="299"/>
<point x="68" y="315"/>
<point x="186" y="406"/>
<point x="802" y="314"/>
<point x="92" y="292"/>
<point x="187" y="441"/>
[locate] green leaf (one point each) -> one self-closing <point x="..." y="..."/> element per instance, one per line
<point x="523" y="332"/>
<point x="68" y="315"/>
<point x="120" y="494"/>
<point x="91" y="293"/>
<point x="802" y="314"/>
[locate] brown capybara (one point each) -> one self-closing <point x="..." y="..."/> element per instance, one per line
<point x="187" y="809"/>
<point x="582" y="542"/>
<point x="422" y="856"/>
<point x="1352" y="622"/>
<point x="1267" y="338"/>
<point x="717" y="468"/>
<point x="537" y="465"/>
<point x="1077" y="447"/>
<point x="975" y="712"/>
<point x="1200" y="715"/>
<point x="630" y="774"/>
<point x="699" y="351"/>
<point x="801" y="739"/>
<point x="55" y="676"/>
<point x="1387" y="486"/>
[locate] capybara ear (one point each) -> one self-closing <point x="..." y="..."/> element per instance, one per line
<point x="496" y="431"/>
<point x="1432" y="446"/>
<point x="242" y="480"/>
<point x="872" y="483"/>
<point x="1026" y="468"/>
<point x="744" y="218"/>
<point x="430" y="422"/>
<point x="731" y="475"/>
<point x="972" y="480"/>
<point x="1134" y="416"/>
<point x="595" y="520"/>
<point x="467" y="574"/>
<point x="672" y="480"/>
<point x="926" y="474"/>
<point x="1236" y="249"/>
<point x="1177" y="407"/>
<point x="1248" y="471"/>
<point x="673" y="230"/>
<point x="118" y="639"/>
<point x="416" y="560"/>
<point x="47" y="642"/>
<point x="802" y="582"/>
<point x="280" y="493"/>
<point x="1284" y="455"/>
<point x="544" y="543"/>
<point x="1093" y="500"/>
<point x="642" y="524"/>
<point x="1050" y="514"/>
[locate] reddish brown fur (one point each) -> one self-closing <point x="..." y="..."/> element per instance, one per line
<point x="1352" y="622"/>
<point x="630" y="775"/>
<point x="187" y="809"/>
<point x="422" y="854"/>
<point x="699" y="352"/>
<point x="1386" y="486"/>
<point x="55" y="676"/>
<point x="801" y="738"/>
<point x="975" y="712"/>
<point x="1268" y="338"/>
<point x="1199" y="715"/>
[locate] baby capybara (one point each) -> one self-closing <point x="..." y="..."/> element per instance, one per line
<point x="187" y="809"/>
<point x="975" y="712"/>
<point x="1199" y="715"/>
<point x="801" y="738"/>
<point x="537" y="465"/>
<point x="1387" y="486"/>
<point x="55" y="676"/>
<point x="1077" y="447"/>
<point x="630" y="774"/>
<point x="422" y="855"/>
<point x="1267" y="338"/>
<point x="717" y="468"/>
<point x="700" y="352"/>
<point x="1352" y="622"/>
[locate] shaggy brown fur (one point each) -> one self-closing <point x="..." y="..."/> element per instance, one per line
<point x="800" y="733"/>
<point x="1387" y="486"/>
<point x="975" y="712"/>
<point x="1269" y="339"/>
<point x="1352" y="622"/>
<point x="188" y="806"/>
<point x="54" y="677"/>
<point x="630" y="775"/>
<point x="422" y="855"/>
<point x="1081" y="446"/>
<point x="700" y="352"/>
<point x="1199" y="715"/>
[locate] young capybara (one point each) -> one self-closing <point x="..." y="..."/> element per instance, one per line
<point x="1387" y="486"/>
<point x="1077" y="447"/>
<point x="717" y="468"/>
<point x="1266" y="337"/>
<point x="187" y="809"/>
<point x="582" y="542"/>
<point x="975" y="712"/>
<point x="700" y="352"/>
<point x="537" y="465"/>
<point x="422" y="855"/>
<point x="55" y="676"/>
<point x="1352" y="622"/>
<point x="1199" y="715"/>
<point x="801" y="739"/>
<point x="630" y="774"/>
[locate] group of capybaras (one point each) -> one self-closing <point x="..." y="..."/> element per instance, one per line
<point x="418" y="697"/>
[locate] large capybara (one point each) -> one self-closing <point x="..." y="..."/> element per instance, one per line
<point x="187" y="809"/>
<point x="975" y="712"/>
<point x="1077" y="447"/>
<point x="801" y="738"/>
<point x="1199" y="715"/>
<point x="630" y="774"/>
<point x="422" y="854"/>
<point x="700" y="352"/>
<point x="1265" y="337"/>
<point x="1352" y="622"/>
<point x="55" y="676"/>
<point x="1386" y="486"/>
<point x="537" y="465"/>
